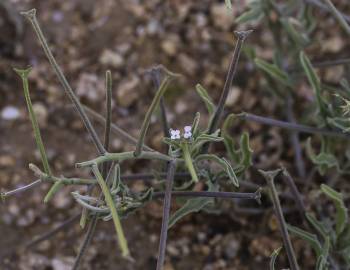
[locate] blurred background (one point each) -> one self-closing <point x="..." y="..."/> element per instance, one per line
<point x="194" y="38"/>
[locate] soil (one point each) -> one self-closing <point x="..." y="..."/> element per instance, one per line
<point x="128" y="37"/>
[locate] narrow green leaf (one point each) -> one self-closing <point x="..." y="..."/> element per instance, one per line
<point x="314" y="81"/>
<point x="24" y="73"/>
<point x="319" y="226"/>
<point x="321" y="263"/>
<point x="246" y="151"/>
<point x="53" y="190"/>
<point x="202" y="92"/>
<point x="254" y="13"/>
<point x="308" y="237"/>
<point x="296" y="36"/>
<point x="343" y="240"/>
<point x="231" y="173"/>
<point x="273" y="257"/>
<point x="224" y="164"/>
<point x="155" y="102"/>
<point x="188" y="161"/>
<point x="323" y="160"/>
<point x="118" y="227"/>
<point x="274" y="71"/>
<point x="192" y="206"/>
<point x="228" y="139"/>
<point x="342" y="211"/>
<point x="195" y="125"/>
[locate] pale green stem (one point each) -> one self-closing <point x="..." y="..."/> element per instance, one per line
<point x="44" y="177"/>
<point x="188" y="161"/>
<point x="119" y="157"/>
<point x="109" y="200"/>
<point x="163" y="87"/>
<point x="31" y="16"/>
<point x="23" y="73"/>
<point x="53" y="190"/>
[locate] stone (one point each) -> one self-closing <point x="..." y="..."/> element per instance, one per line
<point x="188" y="64"/>
<point x="41" y="113"/>
<point x="64" y="263"/>
<point x="222" y="17"/>
<point x="90" y="87"/>
<point x="169" y="46"/>
<point x="127" y="91"/>
<point x="10" y="113"/>
<point x="233" y="96"/>
<point x="111" y="58"/>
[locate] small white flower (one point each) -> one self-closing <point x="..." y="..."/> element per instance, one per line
<point x="187" y="129"/>
<point x="187" y="135"/>
<point x="174" y="134"/>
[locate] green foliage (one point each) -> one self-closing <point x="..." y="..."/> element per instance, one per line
<point x="274" y="71"/>
<point x="324" y="160"/>
<point x="241" y="156"/>
<point x="24" y="73"/>
<point x="202" y="92"/>
<point x="335" y="237"/>
<point x="193" y="205"/>
<point x="273" y="257"/>
<point x="342" y="211"/>
<point x="314" y="82"/>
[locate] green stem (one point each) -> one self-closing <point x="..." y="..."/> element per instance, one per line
<point x="163" y="87"/>
<point x="44" y="177"/>
<point x="31" y="16"/>
<point x="53" y="190"/>
<point x="188" y="161"/>
<point x="23" y="73"/>
<point x="119" y="157"/>
<point x="109" y="200"/>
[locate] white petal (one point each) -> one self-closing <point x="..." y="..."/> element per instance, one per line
<point x="177" y="132"/>
<point x="187" y="135"/>
<point x="187" y="128"/>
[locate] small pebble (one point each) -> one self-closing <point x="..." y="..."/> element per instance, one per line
<point x="10" y="113"/>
